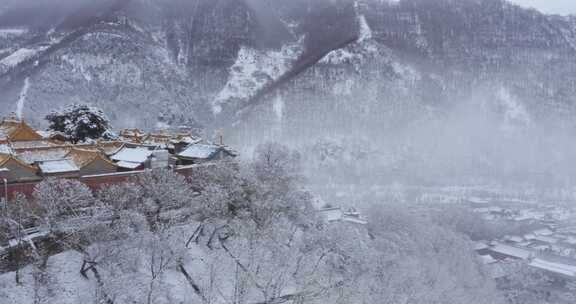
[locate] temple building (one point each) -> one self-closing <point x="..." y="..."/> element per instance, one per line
<point x="91" y="162"/>
<point x="29" y="155"/>
<point x="200" y="153"/>
<point x="13" y="130"/>
<point x="15" y="170"/>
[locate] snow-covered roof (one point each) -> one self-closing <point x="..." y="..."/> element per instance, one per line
<point x="515" y="239"/>
<point x="7" y="128"/>
<point x="40" y="155"/>
<point x="131" y="132"/>
<point x="546" y="239"/>
<point x="33" y="144"/>
<point x="5" y="149"/>
<point x="487" y="259"/>
<point x="478" y="200"/>
<point x="187" y="140"/>
<point x="480" y="246"/>
<point x="541" y="247"/>
<point x="354" y="220"/>
<point x="58" y="166"/>
<point x="331" y="214"/>
<point x="110" y="148"/>
<point x="558" y="267"/>
<point x="132" y="155"/>
<point x="200" y="151"/>
<point x="337" y="214"/>
<point x="489" y="210"/>
<point x="44" y="134"/>
<point x="544" y="232"/>
<point x="84" y="157"/>
<point x="524" y="217"/>
<point x="128" y="165"/>
<point x="511" y="251"/>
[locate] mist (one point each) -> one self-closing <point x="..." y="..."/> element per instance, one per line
<point x="562" y="7"/>
<point x="482" y="135"/>
<point x="41" y="13"/>
<point x="274" y="151"/>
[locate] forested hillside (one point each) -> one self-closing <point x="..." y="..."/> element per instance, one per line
<point x="227" y="235"/>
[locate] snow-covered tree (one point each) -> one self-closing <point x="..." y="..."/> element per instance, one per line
<point x="463" y="220"/>
<point x="80" y="123"/>
<point x="275" y="171"/>
<point x="12" y="224"/>
<point x="418" y="261"/>
<point x="222" y="190"/>
<point x="246" y="234"/>
<point x="276" y="165"/>
<point x="526" y="285"/>
<point x="162" y="191"/>
<point x="56" y="200"/>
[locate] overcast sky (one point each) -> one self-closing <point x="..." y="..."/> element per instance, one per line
<point x="563" y="7"/>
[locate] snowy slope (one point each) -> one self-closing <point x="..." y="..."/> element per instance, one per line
<point x="254" y="70"/>
<point x="18" y="57"/>
<point x="357" y="67"/>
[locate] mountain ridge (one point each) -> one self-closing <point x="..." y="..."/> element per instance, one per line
<point x="178" y="58"/>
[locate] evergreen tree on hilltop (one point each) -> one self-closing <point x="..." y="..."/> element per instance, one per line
<point x="80" y="123"/>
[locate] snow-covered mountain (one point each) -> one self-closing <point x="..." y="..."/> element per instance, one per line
<point x="300" y="69"/>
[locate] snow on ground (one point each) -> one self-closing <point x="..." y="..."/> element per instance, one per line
<point x="365" y="30"/>
<point x="18" y="57"/>
<point x="11" y="32"/>
<point x="126" y="274"/>
<point x="65" y="283"/>
<point x="86" y="62"/>
<point x="278" y="108"/>
<point x="339" y="57"/>
<point x="253" y="70"/>
<point x="364" y="47"/>
<point x="406" y="72"/>
<point x="344" y="87"/>
<point x="22" y="98"/>
<point x="117" y="72"/>
<point x="515" y="112"/>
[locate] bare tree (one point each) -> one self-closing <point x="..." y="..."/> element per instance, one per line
<point x="56" y="200"/>
<point x="162" y="190"/>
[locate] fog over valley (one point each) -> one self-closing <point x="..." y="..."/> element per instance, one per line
<point x="354" y="145"/>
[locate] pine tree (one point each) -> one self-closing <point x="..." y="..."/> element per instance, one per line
<point x="80" y="123"/>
